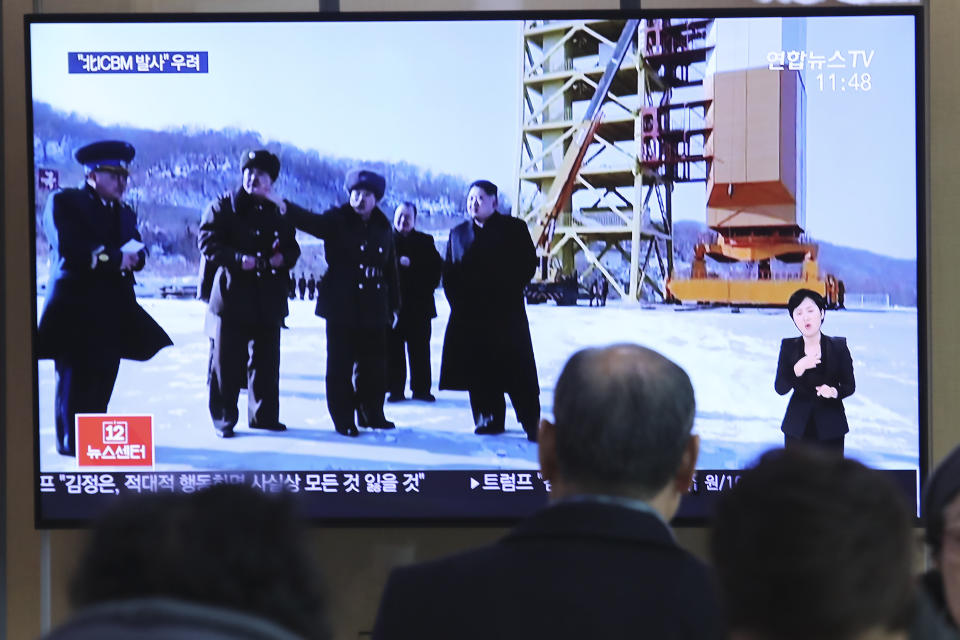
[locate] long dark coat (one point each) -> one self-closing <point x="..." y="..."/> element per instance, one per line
<point x="606" y="571"/>
<point x="360" y="287"/>
<point x="91" y="308"/>
<point x="835" y="369"/>
<point x="239" y="224"/>
<point x="421" y="278"/>
<point x="488" y="337"/>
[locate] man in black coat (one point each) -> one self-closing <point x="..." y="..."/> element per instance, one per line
<point x="600" y="561"/>
<point x="302" y="285"/>
<point x="250" y="249"/>
<point x="487" y="348"/>
<point x="91" y="318"/>
<point x="359" y="296"/>
<point x="419" y="266"/>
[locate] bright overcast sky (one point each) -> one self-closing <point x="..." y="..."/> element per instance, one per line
<point x="442" y="98"/>
<point x="445" y="96"/>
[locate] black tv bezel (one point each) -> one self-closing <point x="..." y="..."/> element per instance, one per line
<point x="917" y="12"/>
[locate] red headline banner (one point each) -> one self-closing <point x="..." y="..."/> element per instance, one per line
<point x="105" y="440"/>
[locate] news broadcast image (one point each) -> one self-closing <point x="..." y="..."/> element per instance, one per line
<point x="749" y="157"/>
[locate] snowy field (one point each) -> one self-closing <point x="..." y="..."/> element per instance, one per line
<point x="731" y="358"/>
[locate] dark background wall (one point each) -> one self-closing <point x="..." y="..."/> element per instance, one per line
<point x="36" y="565"/>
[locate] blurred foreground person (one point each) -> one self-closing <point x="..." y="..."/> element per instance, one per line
<point x="809" y="545"/>
<point x="225" y="563"/>
<point x="941" y="513"/>
<point x="600" y="561"/>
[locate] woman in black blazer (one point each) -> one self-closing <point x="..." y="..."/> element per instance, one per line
<point x="819" y="371"/>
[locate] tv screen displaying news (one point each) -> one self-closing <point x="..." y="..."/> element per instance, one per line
<point x="347" y="256"/>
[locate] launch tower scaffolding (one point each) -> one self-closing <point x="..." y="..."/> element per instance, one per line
<point x="602" y="145"/>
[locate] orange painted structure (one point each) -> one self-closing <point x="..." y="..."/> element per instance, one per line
<point x="755" y="191"/>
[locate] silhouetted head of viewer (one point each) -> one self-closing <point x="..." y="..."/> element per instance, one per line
<point x="226" y="562"/>
<point x="812" y="546"/>
<point x="623" y="418"/>
<point x="941" y="514"/>
<point x="600" y="560"/>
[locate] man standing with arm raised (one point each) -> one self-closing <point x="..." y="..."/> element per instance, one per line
<point x="359" y="296"/>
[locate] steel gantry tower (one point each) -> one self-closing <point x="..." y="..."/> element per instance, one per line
<point x="602" y="145"/>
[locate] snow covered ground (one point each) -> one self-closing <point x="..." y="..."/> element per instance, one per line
<point x="731" y="358"/>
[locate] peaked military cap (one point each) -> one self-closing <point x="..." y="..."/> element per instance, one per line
<point x="263" y="160"/>
<point x="366" y="179"/>
<point x="106" y="155"/>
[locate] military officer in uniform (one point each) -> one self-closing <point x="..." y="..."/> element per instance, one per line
<point x="487" y="348"/>
<point x="419" y="267"/>
<point x="249" y="249"/>
<point x="359" y="296"/>
<point x="91" y="318"/>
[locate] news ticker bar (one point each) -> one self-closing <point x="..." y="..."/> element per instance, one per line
<point x="497" y="493"/>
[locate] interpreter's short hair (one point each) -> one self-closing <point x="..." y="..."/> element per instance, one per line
<point x="798" y="297"/>
<point x="229" y="546"/>
<point x="623" y="418"/>
<point x="808" y="545"/>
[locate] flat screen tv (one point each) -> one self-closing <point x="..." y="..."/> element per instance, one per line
<point x="680" y="176"/>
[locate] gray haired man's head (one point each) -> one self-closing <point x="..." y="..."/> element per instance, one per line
<point x="623" y="419"/>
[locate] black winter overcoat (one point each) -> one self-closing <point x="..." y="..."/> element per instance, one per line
<point x="236" y="225"/>
<point x="360" y="287"/>
<point x="421" y="278"/>
<point x="487" y="342"/>
<point x="91" y="308"/>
